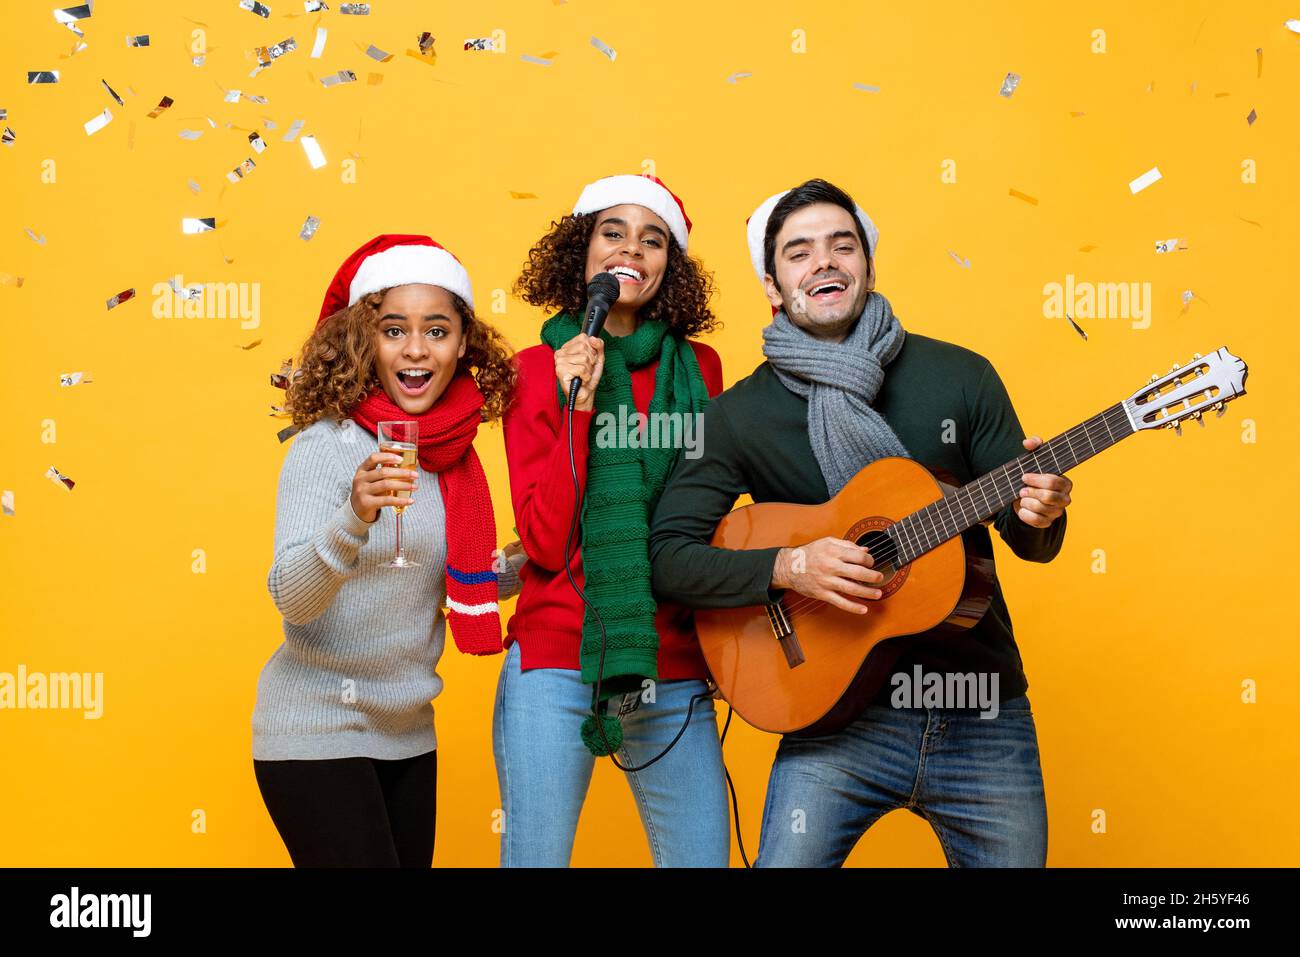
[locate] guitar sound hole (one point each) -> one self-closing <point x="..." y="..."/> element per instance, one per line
<point x="880" y="545"/>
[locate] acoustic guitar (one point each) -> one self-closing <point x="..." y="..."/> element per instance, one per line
<point x="800" y="665"/>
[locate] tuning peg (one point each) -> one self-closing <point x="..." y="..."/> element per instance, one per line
<point x="1199" y="420"/>
<point x="1154" y="376"/>
<point x="1219" y="414"/>
<point x="1174" y="367"/>
<point x="1195" y="356"/>
<point x="1178" y="429"/>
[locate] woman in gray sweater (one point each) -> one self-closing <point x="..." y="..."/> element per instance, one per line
<point x="344" y="747"/>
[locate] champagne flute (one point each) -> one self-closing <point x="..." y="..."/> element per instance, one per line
<point x="401" y="438"/>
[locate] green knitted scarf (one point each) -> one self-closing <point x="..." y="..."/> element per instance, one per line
<point x="623" y="485"/>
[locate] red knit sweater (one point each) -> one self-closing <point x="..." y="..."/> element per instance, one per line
<point x="547" y="621"/>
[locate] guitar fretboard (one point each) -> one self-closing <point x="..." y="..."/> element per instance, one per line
<point x="987" y="495"/>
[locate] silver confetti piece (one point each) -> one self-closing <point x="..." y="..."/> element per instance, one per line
<point x="193" y="291"/>
<point x="309" y="229"/>
<point x="963" y="263"/>
<point x="535" y="59"/>
<point x="190" y="134"/>
<point x="193" y="185"/>
<point x="232" y="96"/>
<point x="252" y="6"/>
<point x="254" y="98"/>
<point x="242" y="170"/>
<point x="73" y="378"/>
<point x="113" y="93"/>
<point x="294" y="129"/>
<point x="269" y="123"/>
<point x="42" y="76"/>
<point x="97" y="123"/>
<point x="377" y="54"/>
<point x="738" y="76"/>
<point x="355" y="9"/>
<point x="604" y="48"/>
<point x="255" y="140"/>
<point x="1083" y="334"/>
<point x="7" y="137"/>
<point x="198" y="60"/>
<point x="280" y="380"/>
<point x="7" y="501"/>
<point x="315" y="6"/>
<point x="426" y="43"/>
<point x="126" y="295"/>
<point x="1168" y="246"/>
<point x="38" y="240"/>
<point x="162" y="107"/>
<point x="866" y="87"/>
<point x="190" y="225"/>
<point x="1009" y="84"/>
<point x="4" y="113"/>
<point x="318" y="47"/>
<point x="313" y="151"/>
<point x="1188" y="296"/>
<point x="69" y="16"/>
<point x="343" y="76"/>
<point x="140" y="41"/>
<point x="480" y="43"/>
<point x="57" y="477"/>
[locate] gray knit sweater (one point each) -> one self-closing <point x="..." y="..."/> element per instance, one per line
<point x="355" y="676"/>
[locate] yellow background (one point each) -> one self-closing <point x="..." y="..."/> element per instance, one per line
<point x="1135" y="674"/>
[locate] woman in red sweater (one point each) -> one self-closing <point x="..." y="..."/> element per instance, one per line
<point x="644" y="385"/>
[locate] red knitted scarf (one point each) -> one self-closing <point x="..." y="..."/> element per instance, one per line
<point x="447" y="433"/>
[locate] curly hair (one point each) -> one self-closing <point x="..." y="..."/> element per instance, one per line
<point x="555" y="277"/>
<point x="337" y="368"/>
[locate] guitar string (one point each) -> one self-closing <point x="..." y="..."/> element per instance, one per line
<point x="1101" y="424"/>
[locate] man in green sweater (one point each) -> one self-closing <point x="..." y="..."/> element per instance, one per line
<point x="842" y="386"/>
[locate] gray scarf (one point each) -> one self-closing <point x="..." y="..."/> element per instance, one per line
<point x="840" y="381"/>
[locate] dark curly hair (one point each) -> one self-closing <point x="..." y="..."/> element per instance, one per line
<point x="555" y="278"/>
<point x="337" y="368"/>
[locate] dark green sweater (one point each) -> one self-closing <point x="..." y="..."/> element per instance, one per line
<point x="755" y="441"/>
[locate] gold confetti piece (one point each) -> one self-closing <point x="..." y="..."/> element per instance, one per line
<point x="1076" y="113"/>
<point x="191" y="225"/>
<point x="1026" y="197"/>
<point x="140" y="41"/>
<point x="7" y="502"/>
<point x="866" y="87"/>
<point x="97" y="123"/>
<point x="515" y="195"/>
<point x="375" y="53"/>
<point x="309" y="229"/>
<point x="343" y="76"/>
<point x="252" y="345"/>
<point x="112" y="93"/>
<point x="604" y="48"/>
<point x="1086" y="249"/>
<point x="374" y="79"/>
<point x="1259" y="62"/>
<point x="1146" y="179"/>
<point x="964" y="263"/>
<point x="58" y="478"/>
<point x="1076" y="328"/>
<point x="354" y="9"/>
<point x="480" y="43"/>
<point x="1009" y="84"/>
<point x="74" y="378"/>
<point x="42" y="76"/>
<point x="284" y="435"/>
<point x="252" y="6"/>
<point x="163" y="105"/>
<point x="8" y="280"/>
<point x="126" y="295"/>
<point x="1251" y="221"/>
<point x="1251" y="117"/>
<point x="540" y="61"/>
<point x="38" y="240"/>
<point x="1219" y="96"/>
<point x="550" y="55"/>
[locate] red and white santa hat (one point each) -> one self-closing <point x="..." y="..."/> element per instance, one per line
<point x="395" y="259"/>
<point x="647" y="191"/>
<point x="756" y="227"/>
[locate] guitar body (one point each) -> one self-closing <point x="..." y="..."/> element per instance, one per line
<point x="819" y="679"/>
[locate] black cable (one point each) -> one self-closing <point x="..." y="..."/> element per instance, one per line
<point x="735" y="805"/>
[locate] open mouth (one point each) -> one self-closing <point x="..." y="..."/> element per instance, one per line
<point x="626" y="274"/>
<point x="827" y="291"/>
<point x="414" y="381"/>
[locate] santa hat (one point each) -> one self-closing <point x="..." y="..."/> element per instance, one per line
<point x="395" y="260"/>
<point x="647" y="191"/>
<point x="756" y="227"/>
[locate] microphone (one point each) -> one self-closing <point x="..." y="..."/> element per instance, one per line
<point x="602" y="293"/>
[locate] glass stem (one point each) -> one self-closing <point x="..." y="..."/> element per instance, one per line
<point x="399" y="555"/>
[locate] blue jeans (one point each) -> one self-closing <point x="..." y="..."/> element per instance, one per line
<point x="543" y="768"/>
<point x="976" y="780"/>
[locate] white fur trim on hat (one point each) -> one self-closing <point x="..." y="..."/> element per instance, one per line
<point x="405" y="264"/>
<point x="757" y="226"/>
<point x="640" y="190"/>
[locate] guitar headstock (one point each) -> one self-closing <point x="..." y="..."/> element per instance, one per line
<point x="1188" y="391"/>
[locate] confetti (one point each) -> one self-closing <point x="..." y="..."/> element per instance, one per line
<point x="866" y="87"/>
<point x="97" y="123"/>
<point x="1025" y="196"/>
<point x="193" y="185"/>
<point x="1086" y="249"/>
<point x="6" y="280"/>
<point x="40" y="241"/>
<point x="58" y="478"/>
<point x="140" y="41"/>
<point x="604" y="48"/>
<point x="313" y="151"/>
<point x="1251" y="117"/>
<point x="318" y="47"/>
<point x="480" y="43"/>
<point x="74" y="378"/>
<point x="4" y="114"/>
<point x="1168" y="246"/>
<point x="190" y="134"/>
<point x="252" y="345"/>
<point x="535" y="59"/>
<point x="1259" y="62"/>
<point x="69" y="16"/>
<point x="1083" y="334"/>
<point x="738" y="76"/>
<point x="198" y="60"/>
<point x="377" y="54"/>
<point x="126" y="295"/>
<point x="242" y="170"/>
<point x="232" y="96"/>
<point x="42" y="76"/>
<point x="252" y="6"/>
<point x="7" y="137"/>
<point x="255" y="140"/>
<point x="284" y="435"/>
<point x="964" y="263"/>
<point x="163" y="105"/>
<point x="294" y="129"/>
<point x="514" y="195"/>
<point x="315" y="6"/>
<point x="354" y="9"/>
<point x="252" y="98"/>
<point x="309" y="228"/>
<point x="113" y="93"/>
<point x="1009" y="85"/>
<point x="265" y="56"/>
<point x="1077" y="113"/>
<point x="194" y="291"/>
<point x="1251" y="221"/>
<point x="191" y="225"/>
<point x="1293" y="26"/>
<point x="343" y="76"/>
<point x="281" y="379"/>
<point x="7" y="502"/>
<point x="1145" y="180"/>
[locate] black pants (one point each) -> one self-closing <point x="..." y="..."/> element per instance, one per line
<point x="353" y="812"/>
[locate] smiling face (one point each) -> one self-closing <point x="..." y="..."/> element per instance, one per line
<point x="419" y="340"/>
<point x="823" y="273"/>
<point x="630" y="242"/>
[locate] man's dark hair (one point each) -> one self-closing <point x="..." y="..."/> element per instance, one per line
<point x="805" y="194"/>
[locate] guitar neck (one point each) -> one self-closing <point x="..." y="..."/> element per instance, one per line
<point x="983" y="498"/>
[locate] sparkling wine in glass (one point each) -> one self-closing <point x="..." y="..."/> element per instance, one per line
<point x="401" y="438"/>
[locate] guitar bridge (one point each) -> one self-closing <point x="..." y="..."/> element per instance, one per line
<point x="784" y="632"/>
